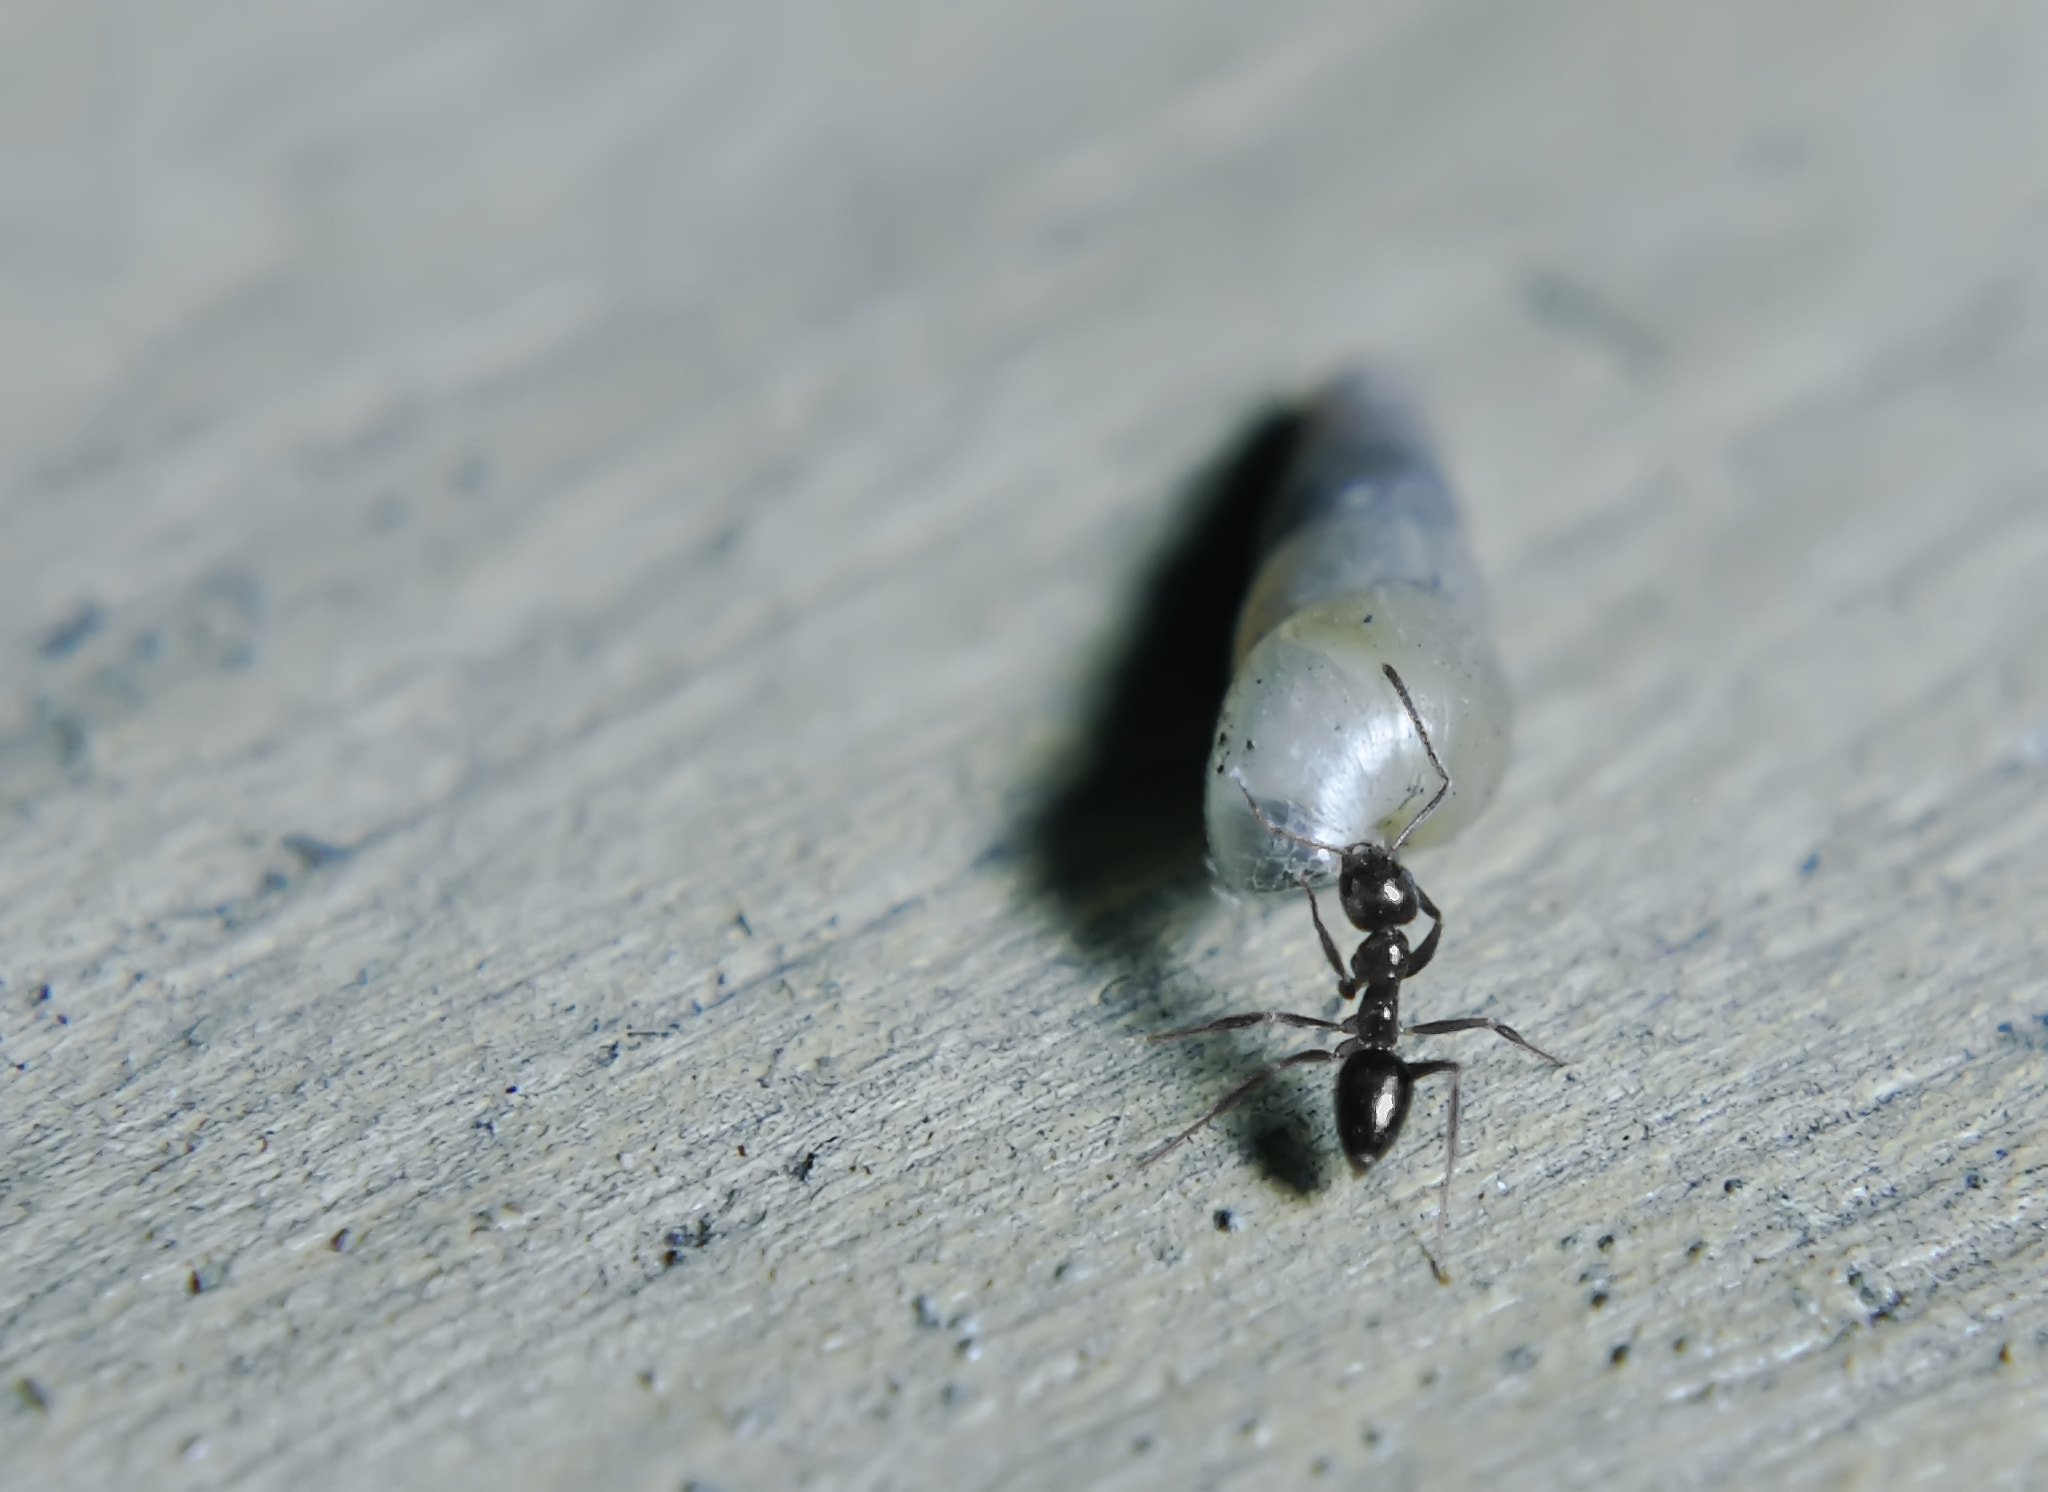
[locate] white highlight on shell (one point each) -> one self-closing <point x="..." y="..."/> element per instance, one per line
<point x="1364" y="565"/>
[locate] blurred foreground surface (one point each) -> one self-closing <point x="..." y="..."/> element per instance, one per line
<point x="554" y="563"/>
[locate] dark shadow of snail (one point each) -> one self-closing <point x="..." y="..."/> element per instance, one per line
<point x="1116" y="846"/>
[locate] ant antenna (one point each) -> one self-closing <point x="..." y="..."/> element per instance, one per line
<point x="1428" y="746"/>
<point x="1273" y="828"/>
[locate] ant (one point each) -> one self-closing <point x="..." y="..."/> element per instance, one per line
<point x="1374" y="1085"/>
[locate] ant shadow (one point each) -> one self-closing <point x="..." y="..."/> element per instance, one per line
<point x="1116" y="846"/>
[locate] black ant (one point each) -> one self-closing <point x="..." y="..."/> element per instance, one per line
<point x="1374" y="1086"/>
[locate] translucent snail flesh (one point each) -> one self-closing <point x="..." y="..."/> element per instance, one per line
<point x="1363" y="564"/>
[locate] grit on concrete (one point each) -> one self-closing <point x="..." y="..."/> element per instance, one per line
<point x="603" y="617"/>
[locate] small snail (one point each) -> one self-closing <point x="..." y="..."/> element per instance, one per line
<point x="1363" y="566"/>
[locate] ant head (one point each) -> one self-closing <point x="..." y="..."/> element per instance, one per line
<point x="1376" y="889"/>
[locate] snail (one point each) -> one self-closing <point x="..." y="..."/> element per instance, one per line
<point x="1363" y="566"/>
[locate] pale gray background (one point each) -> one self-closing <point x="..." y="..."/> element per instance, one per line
<point x="661" y="486"/>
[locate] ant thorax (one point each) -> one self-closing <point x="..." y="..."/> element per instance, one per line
<point x="1377" y="1023"/>
<point x="1380" y="963"/>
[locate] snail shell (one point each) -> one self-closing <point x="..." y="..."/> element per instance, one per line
<point x="1364" y="564"/>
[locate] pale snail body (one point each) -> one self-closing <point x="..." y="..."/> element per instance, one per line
<point x="1364" y="564"/>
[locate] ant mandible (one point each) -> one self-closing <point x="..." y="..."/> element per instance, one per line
<point x="1374" y="1085"/>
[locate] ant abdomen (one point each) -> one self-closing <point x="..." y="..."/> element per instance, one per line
<point x="1373" y="1093"/>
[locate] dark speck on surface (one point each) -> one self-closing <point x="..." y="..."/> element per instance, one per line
<point x="313" y="852"/>
<point x="65" y="637"/>
<point x="69" y="739"/>
<point x="679" y="1239"/>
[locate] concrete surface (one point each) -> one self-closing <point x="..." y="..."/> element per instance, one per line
<point x="599" y="610"/>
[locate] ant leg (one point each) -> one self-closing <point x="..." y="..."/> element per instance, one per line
<point x="1262" y="1018"/>
<point x="1273" y="828"/>
<point x="1414" y="1071"/>
<point x="1346" y="985"/>
<point x="1235" y="1097"/>
<point x="1482" y="1023"/>
<point x="1426" y="949"/>
<point x="1427" y="745"/>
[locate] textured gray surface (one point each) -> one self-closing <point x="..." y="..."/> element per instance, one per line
<point x="662" y="489"/>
